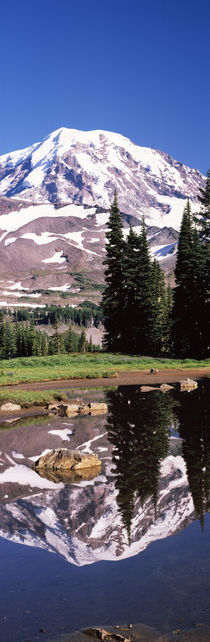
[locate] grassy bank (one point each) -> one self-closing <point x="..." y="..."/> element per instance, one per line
<point x="82" y="366"/>
<point x="27" y="398"/>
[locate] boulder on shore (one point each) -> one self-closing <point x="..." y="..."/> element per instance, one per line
<point x="97" y="408"/>
<point x="62" y="459"/>
<point x="10" y="407"/>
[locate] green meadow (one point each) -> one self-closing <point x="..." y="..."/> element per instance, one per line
<point x="84" y="366"/>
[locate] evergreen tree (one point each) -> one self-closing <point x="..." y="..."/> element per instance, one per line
<point x="57" y="344"/>
<point x="83" y="344"/>
<point x="129" y="283"/>
<point x="143" y="320"/>
<point x="203" y="218"/>
<point x="168" y="322"/>
<point x="159" y="311"/>
<point x="70" y="344"/>
<point x="33" y="343"/>
<point x="112" y="300"/>
<point x="90" y="345"/>
<point x="190" y="314"/>
<point x="9" y="346"/>
<point x="44" y="344"/>
<point x="203" y="222"/>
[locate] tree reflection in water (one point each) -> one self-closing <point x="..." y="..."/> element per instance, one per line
<point x="138" y="427"/>
<point x="193" y="414"/>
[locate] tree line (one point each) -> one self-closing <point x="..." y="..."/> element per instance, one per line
<point x="142" y="314"/>
<point x="86" y="314"/>
<point x="24" y="340"/>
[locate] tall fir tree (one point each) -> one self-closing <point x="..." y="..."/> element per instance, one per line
<point x="112" y="300"/>
<point x="190" y="320"/>
<point x="203" y="222"/>
<point x="83" y="344"/>
<point x="130" y="283"/>
<point x="70" y="344"/>
<point x="202" y="218"/>
<point x="159" y="311"/>
<point x="143" y="321"/>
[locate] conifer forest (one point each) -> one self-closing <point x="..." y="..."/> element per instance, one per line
<point x="142" y="313"/>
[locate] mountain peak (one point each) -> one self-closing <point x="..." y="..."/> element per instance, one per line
<point x="75" y="166"/>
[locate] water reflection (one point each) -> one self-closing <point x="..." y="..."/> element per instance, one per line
<point x="193" y="413"/>
<point x="138" y="427"/>
<point x="154" y="480"/>
<point x="155" y="457"/>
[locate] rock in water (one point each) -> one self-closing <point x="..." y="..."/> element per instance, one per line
<point x="63" y="459"/>
<point x="188" y="384"/>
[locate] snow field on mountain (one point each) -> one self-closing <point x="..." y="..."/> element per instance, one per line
<point x="56" y="258"/>
<point x="15" y="220"/>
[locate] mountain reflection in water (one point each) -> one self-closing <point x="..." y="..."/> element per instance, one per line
<point x="155" y="477"/>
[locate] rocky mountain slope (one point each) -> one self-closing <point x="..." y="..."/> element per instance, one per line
<point x="54" y="204"/>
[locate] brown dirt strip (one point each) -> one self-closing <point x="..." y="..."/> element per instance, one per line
<point x="123" y="379"/>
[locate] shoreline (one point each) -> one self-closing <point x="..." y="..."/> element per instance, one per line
<point x="137" y="378"/>
<point x="123" y="378"/>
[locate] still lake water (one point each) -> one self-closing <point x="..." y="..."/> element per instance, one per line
<point x="131" y="545"/>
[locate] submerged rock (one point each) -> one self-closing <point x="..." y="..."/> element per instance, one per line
<point x="148" y="388"/>
<point x="62" y="459"/>
<point x="165" y="387"/>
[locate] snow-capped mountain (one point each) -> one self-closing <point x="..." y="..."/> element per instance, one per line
<point x="85" y="167"/>
<point x="54" y="204"/>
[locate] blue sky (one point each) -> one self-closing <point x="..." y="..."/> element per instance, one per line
<point x="137" y="67"/>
